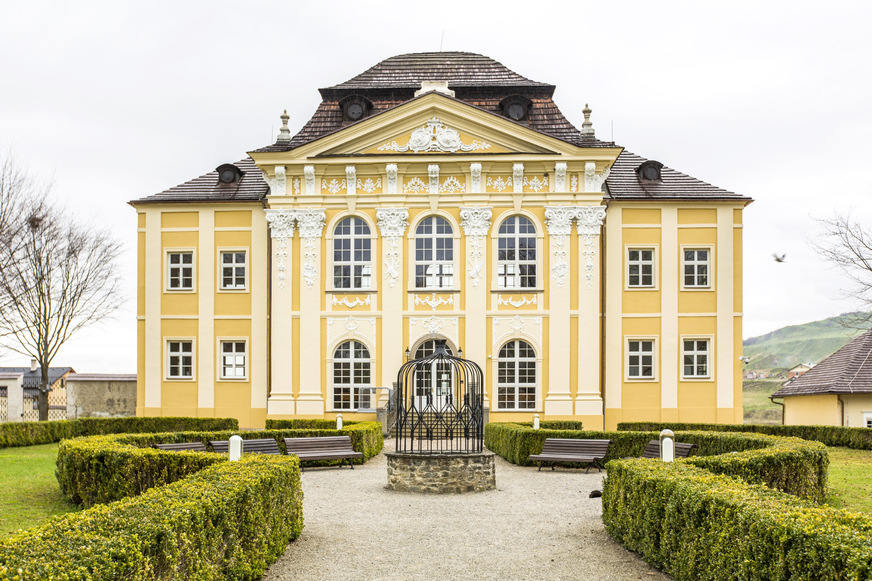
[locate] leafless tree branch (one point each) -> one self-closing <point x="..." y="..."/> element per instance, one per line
<point x="847" y="244"/>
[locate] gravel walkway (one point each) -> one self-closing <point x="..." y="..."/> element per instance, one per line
<point x="535" y="525"/>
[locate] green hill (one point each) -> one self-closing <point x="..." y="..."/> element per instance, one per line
<point x="796" y="344"/>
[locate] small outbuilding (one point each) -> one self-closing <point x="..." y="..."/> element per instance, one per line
<point x="835" y="392"/>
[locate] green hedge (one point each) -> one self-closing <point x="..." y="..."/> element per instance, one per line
<point x="792" y="465"/>
<point x="366" y="437"/>
<point x="104" y="469"/>
<point x="228" y="521"/>
<point x="697" y="525"/>
<point x="13" y="434"/>
<point x="857" y="438"/>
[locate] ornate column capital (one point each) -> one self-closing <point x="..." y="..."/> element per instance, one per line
<point x="590" y="219"/>
<point x="392" y="221"/>
<point x="475" y="223"/>
<point x="559" y="220"/>
<point x="281" y="223"/>
<point x="311" y="222"/>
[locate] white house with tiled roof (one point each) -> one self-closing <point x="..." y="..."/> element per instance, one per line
<point x="441" y="196"/>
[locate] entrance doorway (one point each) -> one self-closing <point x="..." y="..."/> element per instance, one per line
<point x="432" y="384"/>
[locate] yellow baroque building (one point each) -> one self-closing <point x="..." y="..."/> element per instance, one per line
<point x="441" y="196"/>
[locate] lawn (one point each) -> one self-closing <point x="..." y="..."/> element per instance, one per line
<point x="850" y="479"/>
<point x="30" y="490"/>
<point x="759" y="409"/>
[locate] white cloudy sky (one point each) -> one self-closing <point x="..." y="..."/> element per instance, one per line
<point x="117" y="100"/>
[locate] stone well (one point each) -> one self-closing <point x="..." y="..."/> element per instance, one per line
<point x="441" y="474"/>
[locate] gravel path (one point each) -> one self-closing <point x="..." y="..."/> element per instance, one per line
<point x="535" y="525"/>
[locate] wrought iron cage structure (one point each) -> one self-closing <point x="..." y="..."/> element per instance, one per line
<point x="440" y="405"/>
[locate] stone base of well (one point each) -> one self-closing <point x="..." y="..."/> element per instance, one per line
<point x="441" y="474"/>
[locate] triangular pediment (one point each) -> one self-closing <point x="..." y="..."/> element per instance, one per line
<point x="434" y="125"/>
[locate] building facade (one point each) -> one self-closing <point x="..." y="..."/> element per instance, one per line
<point x="441" y="196"/>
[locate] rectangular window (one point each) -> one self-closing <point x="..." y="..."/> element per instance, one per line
<point x="696" y="267"/>
<point x="640" y="267"/>
<point x="233" y="270"/>
<point x="695" y="357"/>
<point x="180" y="359"/>
<point x="640" y="359"/>
<point x="180" y="273"/>
<point x="233" y="360"/>
<point x="867" y="419"/>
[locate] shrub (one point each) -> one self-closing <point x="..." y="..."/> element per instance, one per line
<point x="366" y="437"/>
<point x="857" y="438"/>
<point x="227" y="521"/>
<point x="15" y="434"/>
<point x="698" y="525"/>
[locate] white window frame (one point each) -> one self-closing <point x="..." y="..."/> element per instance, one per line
<point x="168" y="268"/>
<point x="540" y="249"/>
<point x="517" y="385"/>
<point x="352" y="386"/>
<point x="654" y="267"/>
<point x="655" y="355"/>
<point x="434" y="263"/>
<point x="220" y="359"/>
<point x="168" y="356"/>
<point x="867" y="420"/>
<point x="711" y="264"/>
<point x="710" y="363"/>
<point x="373" y="247"/>
<point x="220" y="268"/>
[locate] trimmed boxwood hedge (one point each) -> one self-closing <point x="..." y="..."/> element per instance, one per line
<point x="13" y="434"/>
<point x="856" y="438"/>
<point x="789" y="464"/>
<point x="230" y="520"/>
<point x="103" y="469"/>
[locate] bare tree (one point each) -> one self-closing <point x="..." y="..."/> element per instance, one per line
<point x="56" y="275"/>
<point x="847" y="244"/>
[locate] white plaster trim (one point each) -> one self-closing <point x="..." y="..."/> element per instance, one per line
<point x="434" y="136"/>
<point x="392" y="223"/>
<point x="475" y="223"/>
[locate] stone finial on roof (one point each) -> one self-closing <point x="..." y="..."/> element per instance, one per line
<point x="587" y="126"/>
<point x="284" y="132"/>
<point x="438" y="86"/>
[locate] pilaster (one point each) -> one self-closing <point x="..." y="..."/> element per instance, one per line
<point x="281" y="397"/>
<point x="205" y="345"/>
<point x="392" y="223"/>
<point x="588" y="399"/>
<point x="310" y="398"/>
<point x="726" y="356"/>
<point x="558" y="401"/>
<point x="476" y="223"/>
<point x="670" y="361"/>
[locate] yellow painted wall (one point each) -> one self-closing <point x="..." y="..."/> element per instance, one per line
<point x="812" y="410"/>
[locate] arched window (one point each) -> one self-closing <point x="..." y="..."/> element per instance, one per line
<point x="429" y="388"/>
<point x="434" y="253"/>
<point x="516" y="376"/>
<point x="352" y="255"/>
<point x="516" y="253"/>
<point x="351" y="372"/>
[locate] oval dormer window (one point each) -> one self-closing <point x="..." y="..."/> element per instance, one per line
<point x="355" y="107"/>
<point x="516" y="107"/>
<point x="649" y="170"/>
<point x="228" y="173"/>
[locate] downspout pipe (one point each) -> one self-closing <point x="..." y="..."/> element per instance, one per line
<point x="841" y="409"/>
<point x="781" y="403"/>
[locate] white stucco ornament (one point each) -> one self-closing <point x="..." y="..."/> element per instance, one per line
<point x="392" y="222"/>
<point x="434" y="136"/>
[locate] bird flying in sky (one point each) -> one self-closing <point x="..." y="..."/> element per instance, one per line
<point x="779" y="258"/>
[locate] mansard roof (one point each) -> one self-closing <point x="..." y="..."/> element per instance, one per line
<point x="847" y="371"/>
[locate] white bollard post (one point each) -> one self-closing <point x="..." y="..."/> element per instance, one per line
<point x="235" y="448"/>
<point x="535" y="421"/>
<point x="338" y="421"/>
<point x="667" y="446"/>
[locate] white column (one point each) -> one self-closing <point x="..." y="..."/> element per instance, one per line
<point x="724" y="339"/>
<point x="669" y="341"/>
<point x="558" y="402"/>
<point x="281" y="397"/>
<point x="476" y="224"/>
<point x="206" y="311"/>
<point x="257" y="354"/>
<point x="154" y="341"/>
<point x="392" y="223"/>
<point x="310" y="400"/>
<point x="614" y="336"/>
<point x="588" y="400"/>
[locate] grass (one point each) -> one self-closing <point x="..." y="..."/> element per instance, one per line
<point x="31" y="494"/>
<point x="759" y="409"/>
<point x="849" y="479"/>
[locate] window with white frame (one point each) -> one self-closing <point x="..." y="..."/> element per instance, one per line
<point x="516" y="376"/>
<point x="180" y="359"/>
<point x="233" y="269"/>
<point x="434" y="253"/>
<point x="233" y="356"/>
<point x="695" y="358"/>
<point x="640" y="358"/>
<point x="640" y="267"/>
<point x="516" y="253"/>
<point x="696" y="267"/>
<point x="352" y="254"/>
<point x="867" y="419"/>
<point x="180" y="270"/>
<point x="351" y="373"/>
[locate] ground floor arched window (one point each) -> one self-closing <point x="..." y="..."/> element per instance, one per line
<point x="516" y="376"/>
<point x="432" y="385"/>
<point x="351" y="372"/>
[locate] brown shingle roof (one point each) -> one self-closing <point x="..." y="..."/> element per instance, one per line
<point x="207" y="188"/>
<point x="624" y="183"/>
<point x="848" y="370"/>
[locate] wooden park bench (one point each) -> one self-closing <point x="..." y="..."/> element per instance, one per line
<point x="682" y="449"/>
<point x="323" y="448"/>
<point x="262" y="446"/>
<point x="590" y="452"/>
<point x="182" y="447"/>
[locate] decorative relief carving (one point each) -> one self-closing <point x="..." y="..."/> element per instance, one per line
<point x="334" y="186"/>
<point x="573" y="183"/>
<point x="516" y="302"/>
<point x="433" y="173"/>
<point x="518" y="177"/>
<point x="421" y="326"/>
<point x="499" y="184"/>
<point x="559" y="222"/>
<point x="475" y="223"/>
<point x="391" y="170"/>
<point x="434" y="136"/>
<point x="351" y="304"/>
<point x="392" y="222"/>
<point x="451" y="185"/>
<point x="351" y="180"/>
<point x="475" y="175"/>
<point x="309" y="175"/>
<point x="593" y="181"/>
<point x="311" y="224"/>
<point x="415" y="186"/>
<point x="341" y="327"/>
<point x="560" y="176"/>
<point x="589" y="224"/>
<point x="505" y="328"/>
<point x="535" y="183"/>
<point x="369" y="186"/>
<point x="281" y="227"/>
<point x="297" y="186"/>
<point x="278" y="184"/>
<point x="433" y="301"/>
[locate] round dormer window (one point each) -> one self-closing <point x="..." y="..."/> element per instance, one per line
<point x="355" y="107"/>
<point x="354" y="111"/>
<point x="516" y="107"/>
<point x="516" y="111"/>
<point x="228" y="176"/>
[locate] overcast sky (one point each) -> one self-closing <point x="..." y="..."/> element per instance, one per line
<point x="117" y="100"/>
